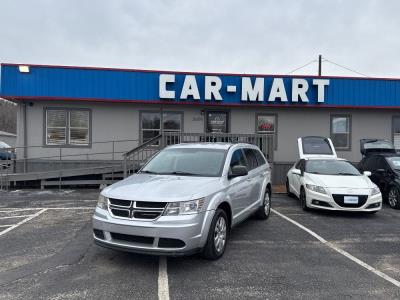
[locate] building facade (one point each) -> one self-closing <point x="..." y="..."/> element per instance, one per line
<point x="96" y="114"/>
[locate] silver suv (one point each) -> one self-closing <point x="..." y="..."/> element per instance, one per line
<point x="185" y="200"/>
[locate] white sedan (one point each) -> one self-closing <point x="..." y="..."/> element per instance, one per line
<point x="321" y="180"/>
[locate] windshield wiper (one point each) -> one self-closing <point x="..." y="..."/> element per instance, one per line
<point x="180" y="173"/>
<point x="149" y="172"/>
<point x="349" y="174"/>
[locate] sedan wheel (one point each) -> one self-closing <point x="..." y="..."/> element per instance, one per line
<point x="288" y="192"/>
<point x="303" y="199"/>
<point x="393" y="198"/>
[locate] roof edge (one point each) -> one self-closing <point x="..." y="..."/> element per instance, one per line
<point x="195" y="73"/>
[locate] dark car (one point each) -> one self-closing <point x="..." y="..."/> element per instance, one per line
<point x="381" y="159"/>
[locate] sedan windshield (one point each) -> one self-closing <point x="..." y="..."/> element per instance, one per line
<point x="394" y="162"/>
<point x="331" y="167"/>
<point x="187" y="162"/>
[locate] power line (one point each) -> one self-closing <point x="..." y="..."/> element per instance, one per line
<point x="309" y="63"/>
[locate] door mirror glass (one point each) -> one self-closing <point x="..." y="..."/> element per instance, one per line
<point x="296" y="172"/>
<point x="238" y="171"/>
<point x="367" y="173"/>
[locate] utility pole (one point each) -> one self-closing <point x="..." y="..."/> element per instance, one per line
<point x="320" y="65"/>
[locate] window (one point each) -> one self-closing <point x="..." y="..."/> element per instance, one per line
<point x="154" y="123"/>
<point x="251" y="159"/>
<point x="67" y="127"/>
<point x="260" y="158"/>
<point x="340" y="131"/>
<point x="217" y="122"/>
<point x="265" y="124"/>
<point x="396" y="132"/>
<point x="238" y="159"/>
<point x="151" y="125"/>
<point x="78" y="127"/>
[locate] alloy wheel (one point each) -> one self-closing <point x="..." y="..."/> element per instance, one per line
<point x="393" y="197"/>
<point x="220" y="235"/>
<point x="267" y="203"/>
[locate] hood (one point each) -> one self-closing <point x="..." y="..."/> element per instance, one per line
<point x="162" y="188"/>
<point x="338" y="181"/>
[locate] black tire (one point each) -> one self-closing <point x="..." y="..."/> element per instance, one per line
<point x="303" y="201"/>
<point x="265" y="209"/>
<point x="394" y="197"/>
<point x="288" y="189"/>
<point x="210" y="250"/>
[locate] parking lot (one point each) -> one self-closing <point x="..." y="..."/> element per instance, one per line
<point x="47" y="252"/>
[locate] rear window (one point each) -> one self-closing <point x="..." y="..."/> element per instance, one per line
<point x="316" y="145"/>
<point x="251" y="158"/>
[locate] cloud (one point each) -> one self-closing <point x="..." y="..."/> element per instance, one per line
<point x="257" y="36"/>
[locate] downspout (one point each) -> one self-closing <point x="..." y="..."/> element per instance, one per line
<point x="25" y="138"/>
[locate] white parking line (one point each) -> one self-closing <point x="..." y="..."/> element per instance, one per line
<point x="342" y="252"/>
<point x="7" y="225"/>
<point x="12" y="217"/>
<point x="48" y="208"/>
<point x="163" y="288"/>
<point x="17" y="209"/>
<point x="22" y="222"/>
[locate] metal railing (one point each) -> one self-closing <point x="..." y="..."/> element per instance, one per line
<point x="140" y="154"/>
<point x="134" y="158"/>
<point x="264" y="141"/>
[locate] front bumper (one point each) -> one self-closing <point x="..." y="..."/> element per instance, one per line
<point x="167" y="235"/>
<point x="326" y="201"/>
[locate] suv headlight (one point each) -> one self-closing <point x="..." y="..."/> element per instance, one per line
<point x="184" y="208"/>
<point x="375" y="191"/>
<point x="102" y="202"/>
<point x="316" y="188"/>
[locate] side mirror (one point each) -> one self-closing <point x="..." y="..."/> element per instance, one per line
<point x="367" y="173"/>
<point x="296" y="172"/>
<point x="238" y="171"/>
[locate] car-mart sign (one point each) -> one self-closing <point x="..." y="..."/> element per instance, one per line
<point x="56" y="83"/>
<point x="249" y="89"/>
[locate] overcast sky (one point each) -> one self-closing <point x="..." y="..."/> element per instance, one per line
<point x="246" y="36"/>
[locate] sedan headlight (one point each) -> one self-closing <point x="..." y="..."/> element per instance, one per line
<point x="102" y="202"/>
<point x="184" y="208"/>
<point x="316" y="188"/>
<point x="375" y="191"/>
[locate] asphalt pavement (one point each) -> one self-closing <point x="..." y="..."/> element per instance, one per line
<point x="47" y="252"/>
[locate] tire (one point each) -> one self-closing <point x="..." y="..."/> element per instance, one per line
<point x="288" y="192"/>
<point x="265" y="209"/>
<point x="214" y="250"/>
<point x="303" y="201"/>
<point x="394" y="197"/>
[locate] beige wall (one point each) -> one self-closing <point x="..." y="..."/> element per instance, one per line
<point x="119" y="121"/>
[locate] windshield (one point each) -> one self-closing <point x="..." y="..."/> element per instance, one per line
<point x="187" y="162"/>
<point x="331" y="167"/>
<point x="4" y="145"/>
<point x="394" y="162"/>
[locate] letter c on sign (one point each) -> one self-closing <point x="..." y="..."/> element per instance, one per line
<point x="164" y="80"/>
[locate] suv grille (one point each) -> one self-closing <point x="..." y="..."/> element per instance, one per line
<point x="339" y="199"/>
<point x="140" y="210"/>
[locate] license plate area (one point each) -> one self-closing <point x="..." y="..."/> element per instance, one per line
<point x="350" y="199"/>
